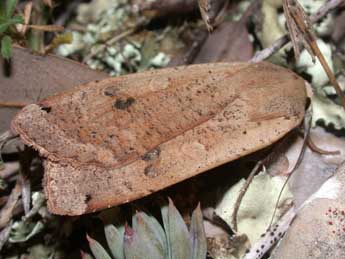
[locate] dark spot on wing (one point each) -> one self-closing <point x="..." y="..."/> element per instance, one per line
<point x="151" y="155"/>
<point x="123" y="104"/>
<point x="150" y="171"/>
<point x="110" y="91"/>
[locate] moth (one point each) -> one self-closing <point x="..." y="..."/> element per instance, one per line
<point x="112" y="141"/>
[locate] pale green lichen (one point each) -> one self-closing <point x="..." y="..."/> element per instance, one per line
<point x="25" y="229"/>
<point x="257" y="207"/>
<point x="315" y="70"/>
<point x="324" y="27"/>
<point x="271" y="28"/>
<point x="22" y="231"/>
<point x="103" y="21"/>
<point x="274" y="27"/>
<point x="325" y="110"/>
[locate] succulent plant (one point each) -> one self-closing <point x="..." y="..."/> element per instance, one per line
<point x="147" y="238"/>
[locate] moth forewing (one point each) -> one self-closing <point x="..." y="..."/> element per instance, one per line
<point x="119" y="139"/>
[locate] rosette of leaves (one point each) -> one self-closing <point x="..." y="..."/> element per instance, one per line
<point x="148" y="239"/>
<point x="7" y="22"/>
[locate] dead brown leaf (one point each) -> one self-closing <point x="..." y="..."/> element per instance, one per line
<point x="34" y="77"/>
<point x="229" y="42"/>
<point x="312" y="175"/>
<point x="315" y="168"/>
<point x="338" y="35"/>
<point x="319" y="229"/>
<point x="164" y="7"/>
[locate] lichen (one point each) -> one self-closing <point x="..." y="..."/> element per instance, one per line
<point x="256" y="211"/>
<point x="102" y="37"/>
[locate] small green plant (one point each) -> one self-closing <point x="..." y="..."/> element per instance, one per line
<point x="147" y="238"/>
<point x="8" y="19"/>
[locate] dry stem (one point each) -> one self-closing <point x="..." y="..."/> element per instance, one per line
<point x="278" y="44"/>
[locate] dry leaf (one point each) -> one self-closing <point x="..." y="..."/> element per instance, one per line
<point x="314" y="170"/>
<point x="34" y="77"/>
<point x="167" y="7"/>
<point x="229" y="42"/>
<point x="319" y="229"/>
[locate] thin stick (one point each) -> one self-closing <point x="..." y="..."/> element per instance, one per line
<point x="5" y="234"/>
<point x="300" y="29"/>
<point x="243" y="192"/>
<point x="319" y="150"/>
<point x="4" y="138"/>
<point x="307" y="127"/>
<point x="328" y="71"/>
<point x="278" y="44"/>
<point x="13" y="104"/>
<point x="267" y="160"/>
<point x="272" y="236"/>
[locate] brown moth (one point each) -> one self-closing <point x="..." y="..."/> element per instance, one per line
<point x="112" y="141"/>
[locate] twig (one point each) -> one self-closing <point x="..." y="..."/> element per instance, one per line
<point x="6" y="212"/>
<point x="10" y="169"/>
<point x="325" y="9"/>
<point x="13" y="104"/>
<point x="274" y="154"/>
<point x="26" y="192"/>
<point x="319" y="150"/>
<point x="301" y="31"/>
<point x="269" y="51"/>
<point x="5" y="234"/>
<point x="25" y="160"/>
<point x="307" y="127"/>
<point x="138" y="26"/>
<point x="212" y="12"/>
<point x="329" y="72"/>
<point x="242" y="193"/>
<point x="4" y="138"/>
<point x="271" y="236"/>
<point x="278" y="44"/>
